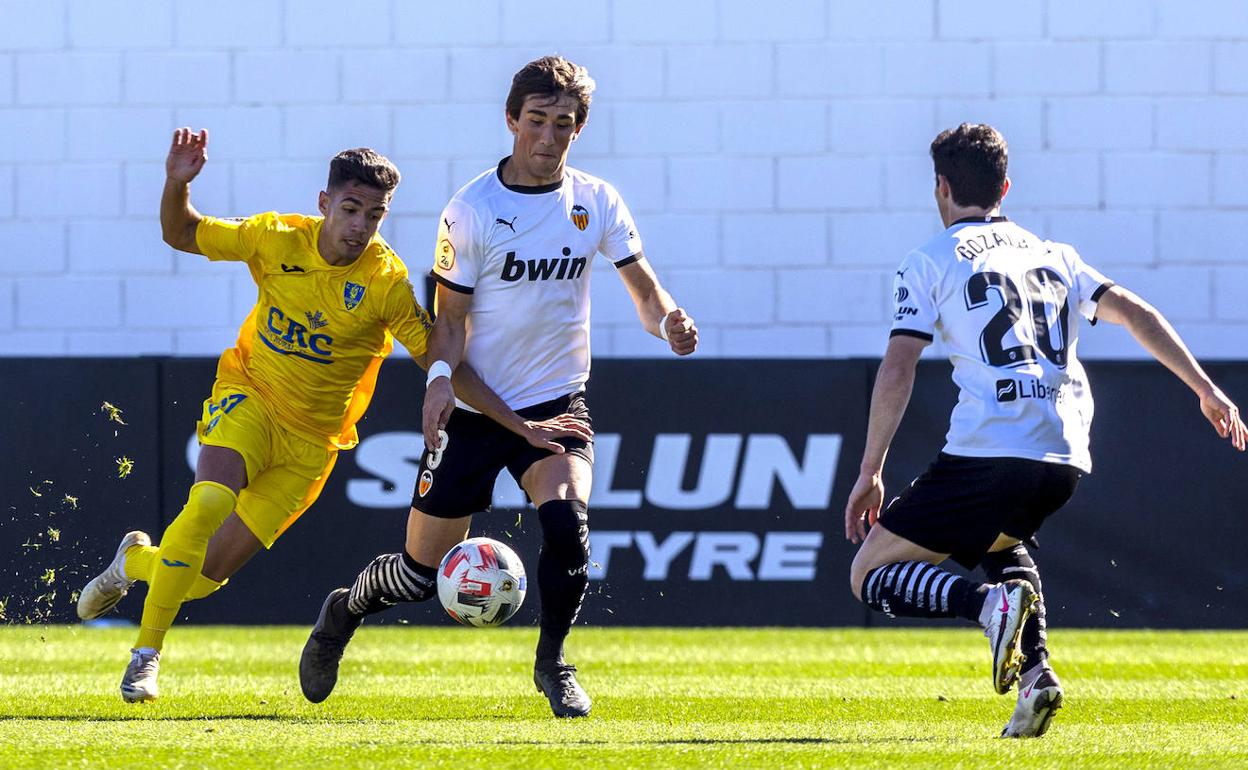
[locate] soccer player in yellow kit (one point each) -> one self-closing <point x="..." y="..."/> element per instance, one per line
<point x="332" y="294"/>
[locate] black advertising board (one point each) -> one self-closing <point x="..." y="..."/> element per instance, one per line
<point x="712" y="488"/>
<point x="77" y="474"/>
<point x="718" y="496"/>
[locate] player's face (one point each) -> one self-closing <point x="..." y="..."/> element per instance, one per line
<point x="353" y="212"/>
<point x="546" y="129"/>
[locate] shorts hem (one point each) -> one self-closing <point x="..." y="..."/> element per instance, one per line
<point x="255" y="529"/>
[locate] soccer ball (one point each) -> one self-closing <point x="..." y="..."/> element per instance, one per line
<point x="481" y="582"/>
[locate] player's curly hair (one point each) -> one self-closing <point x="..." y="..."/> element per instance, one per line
<point x="365" y="166"/>
<point x="973" y="157"/>
<point x="550" y="76"/>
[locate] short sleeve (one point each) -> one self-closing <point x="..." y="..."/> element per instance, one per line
<point x="459" y="250"/>
<point x="236" y="240"/>
<point x="915" y="311"/>
<point x="620" y="241"/>
<point x="1089" y="283"/>
<point x="405" y="318"/>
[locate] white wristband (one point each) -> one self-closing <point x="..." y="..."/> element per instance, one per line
<point x="438" y="369"/>
<point x="663" y="327"/>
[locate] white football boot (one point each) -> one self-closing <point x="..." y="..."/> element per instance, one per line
<point x="138" y="684"/>
<point x="107" y="588"/>
<point x="1005" y="612"/>
<point x="1039" y="696"/>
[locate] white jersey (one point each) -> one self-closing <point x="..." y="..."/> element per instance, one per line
<point x="1007" y="305"/>
<point x="524" y="255"/>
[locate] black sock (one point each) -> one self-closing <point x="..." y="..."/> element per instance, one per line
<point x="918" y="589"/>
<point x="1016" y="563"/>
<point x="389" y="579"/>
<point x="562" y="572"/>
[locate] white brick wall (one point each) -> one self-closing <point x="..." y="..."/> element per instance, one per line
<point x="774" y="154"/>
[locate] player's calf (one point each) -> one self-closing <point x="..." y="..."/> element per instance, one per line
<point x="563" y="577"/>
<point x="562" y="572"/>
<point x="919" y="589"/>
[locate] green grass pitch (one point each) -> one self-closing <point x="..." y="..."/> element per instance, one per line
<point x="461" y="698"/>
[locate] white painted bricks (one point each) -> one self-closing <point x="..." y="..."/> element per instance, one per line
<point x="774" y="154"/>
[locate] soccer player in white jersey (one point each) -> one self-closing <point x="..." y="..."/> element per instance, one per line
<point x="513" y="267"/>
<point x="1007" y="305"/>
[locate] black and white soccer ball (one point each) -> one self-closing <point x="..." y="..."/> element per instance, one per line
<point x="481" y="582"/>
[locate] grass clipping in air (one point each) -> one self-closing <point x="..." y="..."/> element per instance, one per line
<point x="448" y="697"/>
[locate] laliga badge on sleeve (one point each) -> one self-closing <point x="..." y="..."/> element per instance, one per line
<point x="352" y="293"/>
<point x="446" y="254"/>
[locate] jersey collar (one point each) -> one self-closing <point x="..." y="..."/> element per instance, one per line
<point x="525" y="189"/>
<point x="978" y="220"/>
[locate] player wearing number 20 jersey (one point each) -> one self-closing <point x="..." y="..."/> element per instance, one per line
<point x="1007" y="305"/>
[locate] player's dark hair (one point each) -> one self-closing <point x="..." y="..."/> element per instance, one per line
<point x="973" y="157"/>
<point x="364" y="166"/>
<point x="551" y="76"/>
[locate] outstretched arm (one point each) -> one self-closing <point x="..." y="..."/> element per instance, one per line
<point x="657" y="310"/>
<point x="178" y="218"/>
<point x="446" y="345"/>
<point x="1151" y="329"/>
<point x="893" y="383"/>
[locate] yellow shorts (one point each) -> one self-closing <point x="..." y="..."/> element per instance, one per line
<point x="285" y="472"/>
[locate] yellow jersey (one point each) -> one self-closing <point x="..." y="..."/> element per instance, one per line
<point x="312" y="345"/>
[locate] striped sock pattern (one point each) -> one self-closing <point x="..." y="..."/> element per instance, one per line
<point x="913" y="589"/>
<point x="387" y="580"/>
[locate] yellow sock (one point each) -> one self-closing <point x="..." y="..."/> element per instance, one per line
<point x="180" y="558"/>
<point x="204" y="586"/>
<point x="140" y="561"/>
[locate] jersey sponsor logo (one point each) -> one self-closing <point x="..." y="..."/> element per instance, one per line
<point x="291" y="338"/>
<point x="901" y="295"/>
<point x="510" y="225"/>
<point x="902" y="273"/>
<point x="292" y="268"/>
<point x="315" y="320"/>
<point x="904" y="311"/>
<point x="448" y="224"/>
<point x="446" y="254"/>
<point x="543" y="269"/>
<point x="352" y="294"/>
<point x="580" y="217"/>
<point x="1023" y="390"/>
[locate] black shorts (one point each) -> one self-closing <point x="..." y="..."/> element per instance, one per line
<point x="461" y="481"/>
<point x="960" y="505"/>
